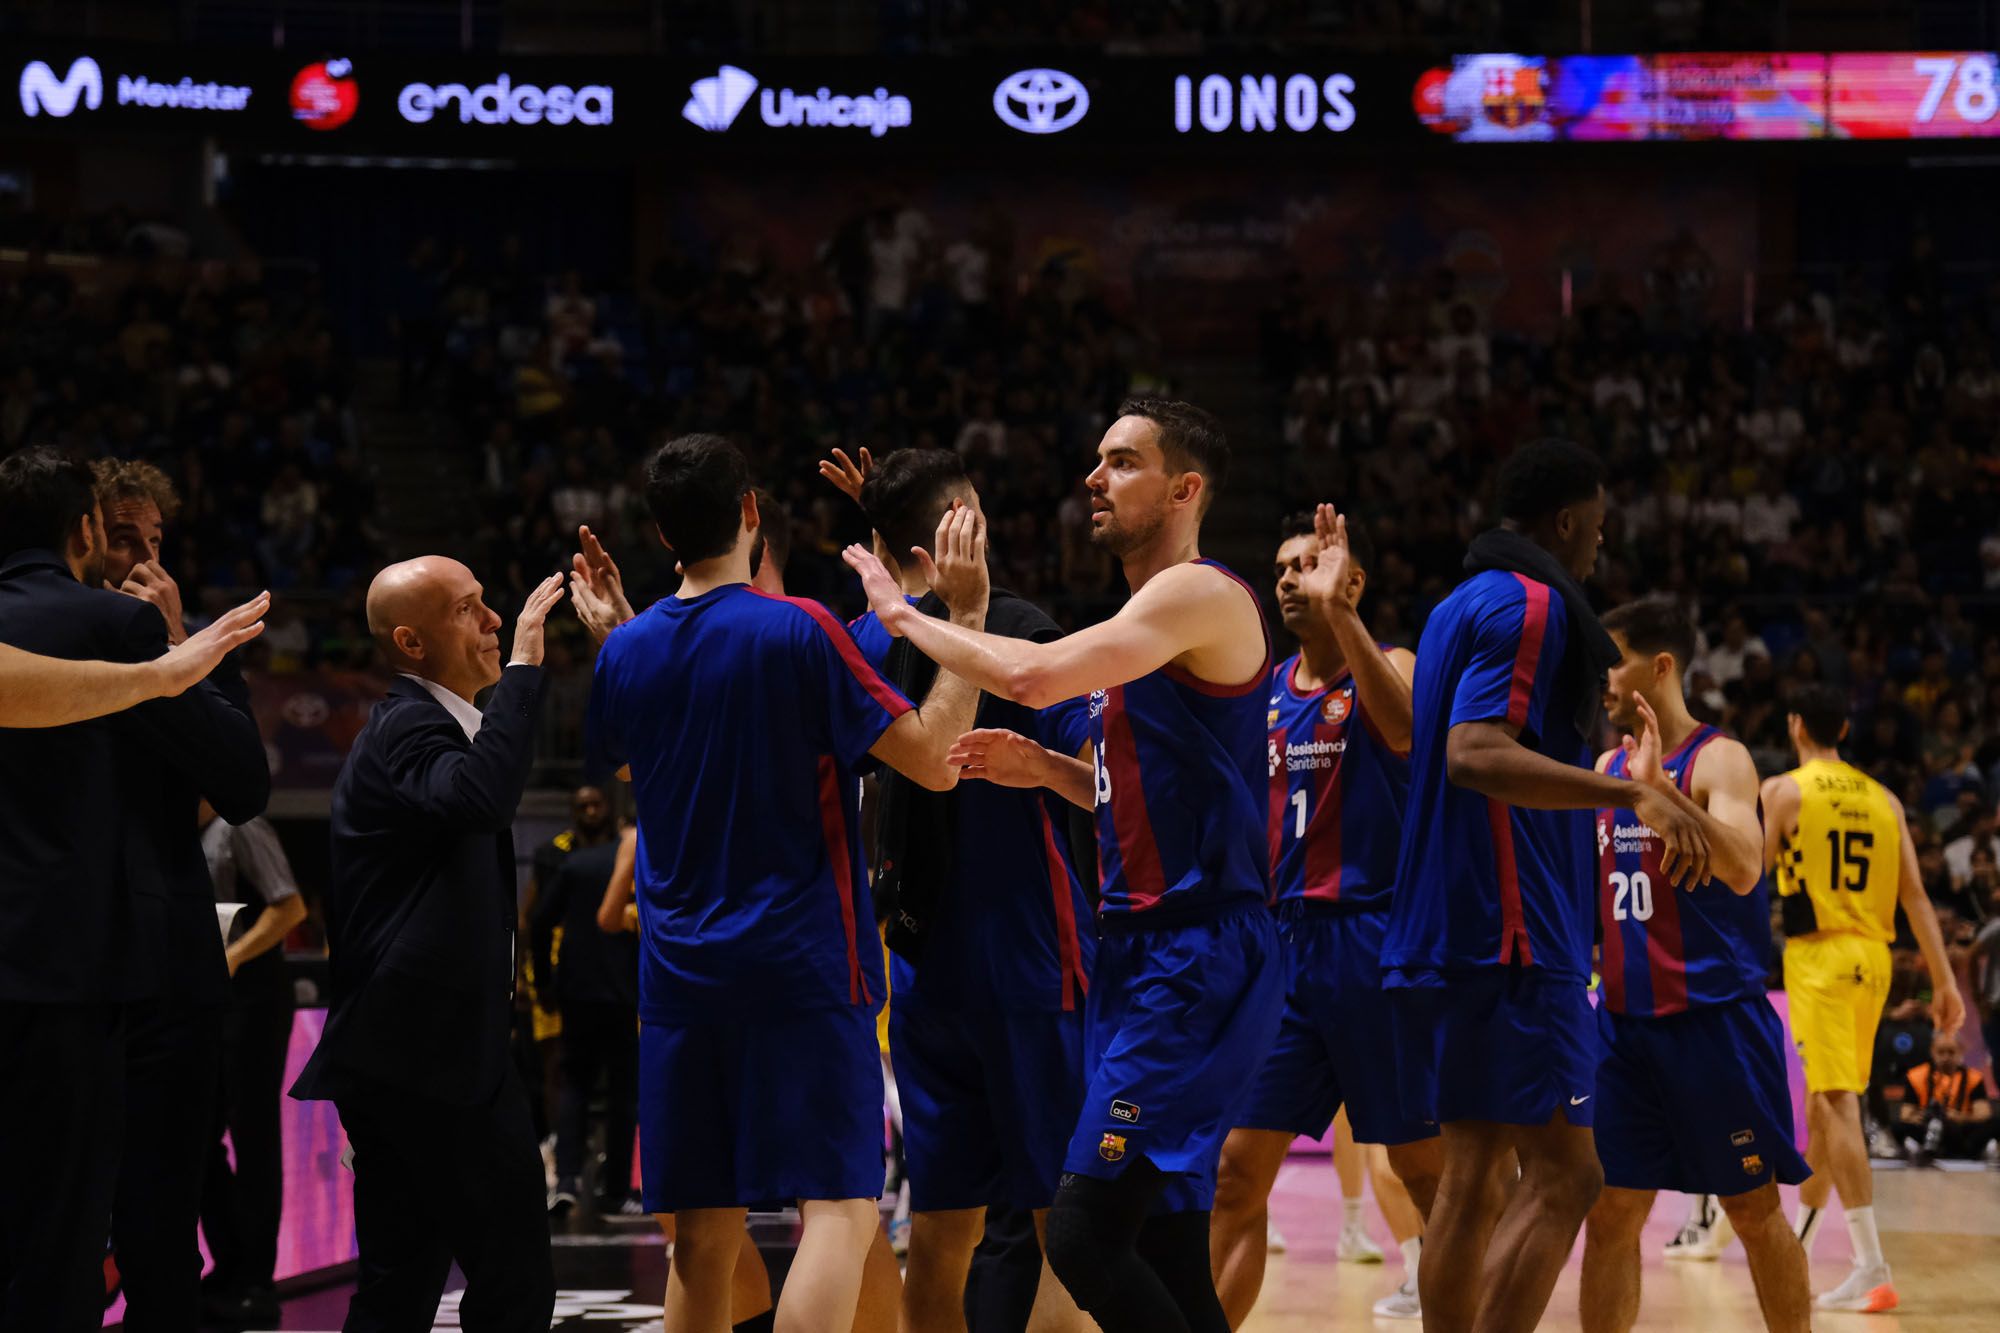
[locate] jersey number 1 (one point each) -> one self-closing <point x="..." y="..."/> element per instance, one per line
<point x="1849" y="853"/>
<point x="1299" y="809"/>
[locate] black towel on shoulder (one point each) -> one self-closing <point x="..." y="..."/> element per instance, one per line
<point x="1592" y="653"/>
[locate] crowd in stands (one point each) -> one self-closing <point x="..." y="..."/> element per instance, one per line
<point x="114" y="344"/>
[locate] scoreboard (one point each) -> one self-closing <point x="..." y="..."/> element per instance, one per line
<point x="1507" y="98"/>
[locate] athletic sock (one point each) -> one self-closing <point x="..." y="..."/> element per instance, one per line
<point x="1806" y="1225"/>
<point x="1867" y="1244"/>
<point x="1350" y="1212"/>
<point x="1413" y="1250"/>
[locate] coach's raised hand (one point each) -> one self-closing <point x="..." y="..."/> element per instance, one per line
<point x="528" y="629"/>
<point x="885" y="595"/>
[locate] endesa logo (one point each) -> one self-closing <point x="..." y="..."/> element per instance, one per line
<point x="503" y="102"/>
<point x="42" y="93"/>
<point x="1263" y="103"/>
<point x="323" y="96"/>
<point x="714" y="103"/>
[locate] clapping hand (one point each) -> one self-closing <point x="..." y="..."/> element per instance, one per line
<point x="528" y="629"/>
<point x="1328" y="580"/>
<point x="958" y="575"/>
<point x="597" y="589"/>
<point x="195" y="656"/>
<point x="845" y="475"/>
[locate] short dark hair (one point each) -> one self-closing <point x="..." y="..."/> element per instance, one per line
<point x="908" y="492"/>
<point x="1359" y="544"/>
<point x="695" y="486"/>
<point x="44" y="492"/>
<point x="1822" y="709"/>
<point x="1546" y="476"/>
<point x="1191" y="438"/>
<point x="774" y="530"/>
<point x="1656" y="624"/>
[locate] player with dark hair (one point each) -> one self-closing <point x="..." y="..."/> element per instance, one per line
<point x="1840" y="847"/>
<point x="1187" y="990"/>
<point x="1339" y="728"/>
<point x="742" y="718"/>
<point x="1691" y="1083"/>
<point x="1490" y="927"/>
<point x="989" y="969"/>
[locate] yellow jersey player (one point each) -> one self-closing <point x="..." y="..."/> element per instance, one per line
<point x="1840" y="851"/>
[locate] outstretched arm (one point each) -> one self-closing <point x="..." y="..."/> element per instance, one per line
<point x="1009" y="759"/>
<point x="1187" y="612"/>
<point x="916" y="743"/>
<point x="37" y="691"/>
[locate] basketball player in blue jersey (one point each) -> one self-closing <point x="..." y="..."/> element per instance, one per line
<point x="989" y="968"/>
<point x="1490" y="928"/>
<point x="1339" y="737"/>
<point x="742" y="718"/>
<point x="1692" y="1093"/>
<point x="1188" y="985"/>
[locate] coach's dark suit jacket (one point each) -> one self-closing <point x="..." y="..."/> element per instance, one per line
<point x="104" y="895"/>
<point x="420" y="900"/>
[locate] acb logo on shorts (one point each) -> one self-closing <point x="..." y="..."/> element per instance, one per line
<point x="1125" y="1111"/>
<point x="1111" y="1147"/>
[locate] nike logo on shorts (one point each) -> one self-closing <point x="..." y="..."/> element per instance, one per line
<point x="1578" y="1101"/>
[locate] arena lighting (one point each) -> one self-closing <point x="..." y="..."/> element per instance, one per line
<point x="503" y="102"/>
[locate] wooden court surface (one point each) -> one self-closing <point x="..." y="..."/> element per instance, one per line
<point x="1940" y="1231"/>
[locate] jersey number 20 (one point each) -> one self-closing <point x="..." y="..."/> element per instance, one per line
<point x="1631" y="896"/>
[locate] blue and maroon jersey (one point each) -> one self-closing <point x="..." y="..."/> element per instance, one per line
<point x="1663" y="950"/>
<point x="1479" y="882"/>
<point x="1337" y="795"/>
<point x="1181" y="816"/>
<point x="1007" y="935"/>
<point x="744" y="718"/>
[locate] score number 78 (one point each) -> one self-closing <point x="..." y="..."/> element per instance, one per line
<point x="1975" y="99"/>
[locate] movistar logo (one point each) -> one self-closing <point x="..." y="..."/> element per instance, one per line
<point x="714" y="102"/>
<point x="42" y="91"/>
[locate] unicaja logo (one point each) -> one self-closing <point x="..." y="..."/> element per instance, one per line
<point x="1041" y="101"/>
<point x="42" y="91"/>
<point x="714" y="102"/>
<point x="504" y="102"/>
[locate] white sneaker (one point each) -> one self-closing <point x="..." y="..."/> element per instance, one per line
<point x="1702" y="1244"/>
<point x="1401" y="1303"/>
<point x="1869" y="1290"/>
<point x="1274" y="1239"/>
<point x="1356" y="1248"/>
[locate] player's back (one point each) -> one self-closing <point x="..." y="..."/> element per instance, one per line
<point x="1665" y="951"/>
<point x="742" y="717"/>
<point x="1840" y="869"/>
<point x="1182" y="810"/>
<point x="1480" y="882"/>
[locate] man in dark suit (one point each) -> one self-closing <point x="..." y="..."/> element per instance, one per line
<point x="82" y="918"/>
<point x="173" y="1042"/>
<point x="420" y="914"/>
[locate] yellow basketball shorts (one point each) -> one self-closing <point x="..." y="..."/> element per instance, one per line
<point x="1836" y="984"/>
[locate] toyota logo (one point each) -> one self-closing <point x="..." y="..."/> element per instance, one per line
<point x="1041" y="101"/>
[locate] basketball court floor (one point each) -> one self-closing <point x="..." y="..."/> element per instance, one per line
<point x="1941" y="1230"/>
